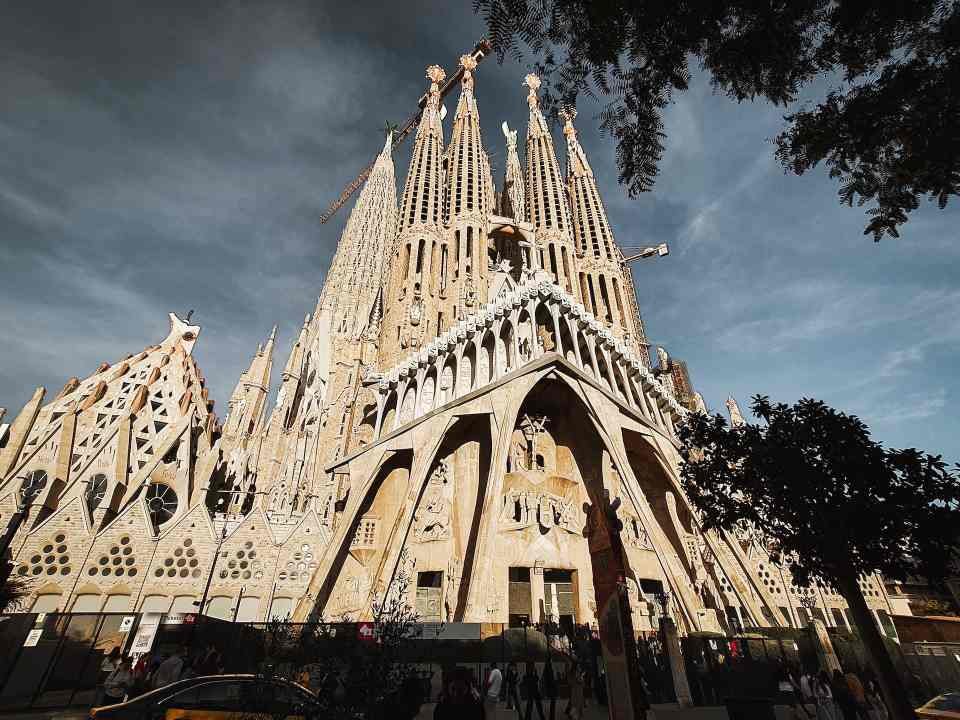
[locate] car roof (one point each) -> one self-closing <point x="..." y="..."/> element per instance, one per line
<point x="166" y="690"/>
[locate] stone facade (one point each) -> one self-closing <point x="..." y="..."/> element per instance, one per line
<point x="473" y="382"/>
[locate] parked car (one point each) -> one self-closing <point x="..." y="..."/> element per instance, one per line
<point x="942" y="707"/>
<point x="216" y="697"/>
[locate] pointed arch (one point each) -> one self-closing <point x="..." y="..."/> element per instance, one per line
<point x="467" y="370"/>
<point x="448" y="380"/>
<point x="389" y="413"/>
<point x="487" y="359"/>
<point x="506" y="361"/>
<point x="429" y="392"/>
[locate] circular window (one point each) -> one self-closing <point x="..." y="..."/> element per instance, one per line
<point x="131" y="572"/>
<point x="65" y="570"/>
<point x="61" y="548"/>
<point x="35" y="559"/>
<point x="162" y="503"/>
<point x="127" y="550"/>
<point x="191" y="552"/>
<point x="181" y="562"/>
<point x="171" y="573"/>
<point x="188" y="542"/>
<point x="105" y="572"/>
<point x="49" y="559"/>
<point x="114" y="550"/>
<point x="59" y="538"/>
<point x="178" y="552"/>
<point x="48" y="548"/>
<point x="248" y="544"/>
<point x="193" y="563"/>
<point x="22" y="570"/>
<point x="168" y="562"/>
<point x="158" y="572"/>
<point x="124" y="540"/>
<point x="184" y="573"/>
<point x="196" y="573"/>
<point x="92" y="571"/>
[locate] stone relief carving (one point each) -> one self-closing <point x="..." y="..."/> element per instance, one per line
<point x="432" y="519"/>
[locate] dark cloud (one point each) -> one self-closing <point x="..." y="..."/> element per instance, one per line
<point x="177" y="155"/>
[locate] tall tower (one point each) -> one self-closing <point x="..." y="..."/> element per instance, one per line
<point x="546" y="198"/>
<point x="606" y="284"/>
<point x="469" y="202"/>
<point x="409" y="318"/>
<point x="249" y="400"/>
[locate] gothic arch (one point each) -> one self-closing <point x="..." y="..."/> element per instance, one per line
<point x="352" y="574"/>
<point x="487" y="360"/>
<point x="428" y="393"/>
<point x="505" y="350"/>
<point x="389" y="413"/>
<point x="448" y="382"/>
<point x="468" y="369"/>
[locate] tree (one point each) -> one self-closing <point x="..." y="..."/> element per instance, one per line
<point x="830" y="502"/>
<point x="14" y="590"/>
<point x="888" y="132"/>
<point x="355" y="678"/>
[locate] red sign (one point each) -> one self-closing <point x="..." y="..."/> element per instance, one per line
<point x="366" y="632"/>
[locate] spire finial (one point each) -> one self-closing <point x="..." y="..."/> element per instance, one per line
<point x="568" y="115"/>
<point x="510" y="135"/>
<point x="469" y="64"/>
<point x="532" y="82"/>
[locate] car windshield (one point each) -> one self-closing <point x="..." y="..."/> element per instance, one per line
<point x="950" y="701"/>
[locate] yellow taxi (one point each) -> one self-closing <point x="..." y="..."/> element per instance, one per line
<point x="942" y="707"/>
<point x="217" y="697"/>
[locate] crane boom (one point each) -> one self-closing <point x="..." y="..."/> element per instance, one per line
<point x="480" y="51"/>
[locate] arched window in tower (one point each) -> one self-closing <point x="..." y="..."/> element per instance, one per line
<point x="421" y="246"/>
<point x="553" y="263"/>
<point x="96" y="489"/>
<point x="443" y="271"/>
<point x="605" y="297"/>
<point x="619" y="300"/>
<point x="593" y="297"/>
<point x="406" y="260"/>
<point x="468" y="266"/>
<point x="456" y="254"/>
<point x="433" y="266"/>
<point x="566" y="269"/>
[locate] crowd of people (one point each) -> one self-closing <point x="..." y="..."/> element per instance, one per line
<point x="122" y="679"/>
<point x="840" y="696"/>
<point x="525" y="692"/>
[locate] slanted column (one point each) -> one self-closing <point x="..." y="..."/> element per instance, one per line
<point x="555" y="315"/>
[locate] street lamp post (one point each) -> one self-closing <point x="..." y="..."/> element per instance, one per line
<point x="661" y="250"/>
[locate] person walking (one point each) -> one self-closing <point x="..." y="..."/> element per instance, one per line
<point x="858" y="694"/>
<point x="548" y="684"/>
<point x="842" y="696"/>
<point x="170" y="670"/>
<point x="511" y="680"/>
<point x="491" y="695"/>
<point x="457" y="702"/>
<point x="119" y="682"/>
<point x="823" y="696"/>
<point x="576" y="704"/>
<point x="531" y="688"/>
<point x="109" y="663"/>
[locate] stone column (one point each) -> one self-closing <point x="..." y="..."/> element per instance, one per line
<point x="671" y="641"/>
<point x="825" y="652"/>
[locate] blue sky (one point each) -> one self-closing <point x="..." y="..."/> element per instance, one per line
<point x="157" y="158"/>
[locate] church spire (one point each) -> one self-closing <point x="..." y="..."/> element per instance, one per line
<point x="546" y="199"/>
<point x="248" y="402"/>
<point x="422" y="197"/>
<point x="357" y="269"/>
<point x="410" y="284"/>
<point x="467" y="178"/>
<point x="606" y="281"/>
<point x="512" y="203"/>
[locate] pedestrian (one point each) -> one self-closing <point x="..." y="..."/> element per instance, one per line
<point x="877" y="708"/>
<point x="531" y="689"/>
<point x="170" y="670"/>
<point x="858" y="694"/>
<point x="491" y="687"/>
<point x="109" y="663"/>
<point x="576" y="704"/>
<point x="548" y="684"/>
<point x="457" y="702"/>
<point x="119" y="682"/>
<point x="826" y="709"/>
<point x="842" y="696"/>
<point x="787" y="693"/>
<point x="511" y="680"/>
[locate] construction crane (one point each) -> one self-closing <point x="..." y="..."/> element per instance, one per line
<point x="479" y="52"/>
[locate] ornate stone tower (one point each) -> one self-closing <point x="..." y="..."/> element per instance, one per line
<point x="413" y="286"/>
<point x="547" y="208"/>
<point x="605" y="279"/>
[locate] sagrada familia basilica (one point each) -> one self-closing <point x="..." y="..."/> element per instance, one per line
<point x="474" y="382"/>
